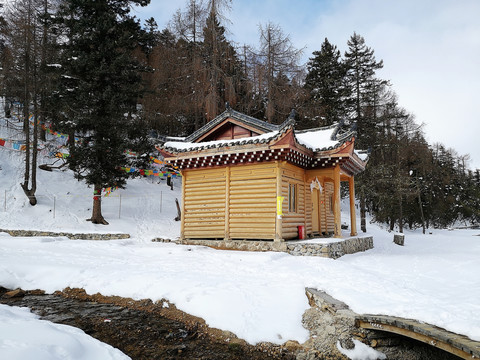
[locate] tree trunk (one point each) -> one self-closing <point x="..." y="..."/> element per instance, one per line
<point x="400" y="212"/>
<point x="97" y="217"/>
<point x="363" y="220"/>
<point x="420" y="205"/>
<point x="43" y="69"/>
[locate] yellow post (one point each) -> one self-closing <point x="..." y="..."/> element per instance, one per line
<point x="353" y="218"/>
<point x="279" y="212"/>
<point x="336" y="202"/>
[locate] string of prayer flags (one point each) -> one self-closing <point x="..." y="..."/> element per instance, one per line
<point x="158" y="173"/>
<point x="13" y="144"/>
<point x="109" y="190"/>
<point x="61" y="155"/>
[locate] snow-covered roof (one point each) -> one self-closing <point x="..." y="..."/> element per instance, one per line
<point x="181" y="146"/>
<point x="320" y="138"/>
<point x="309" y="148"/>
<point x="260" y="125"/>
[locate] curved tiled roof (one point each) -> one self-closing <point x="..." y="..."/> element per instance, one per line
<point x="316" y="139"/>
<point x="180" y="147"/>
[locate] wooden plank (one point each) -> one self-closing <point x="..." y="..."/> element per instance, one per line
<point x="207" y="227"/>
<point x="252" y="233"/>
<point x="253" y="206"/>
<point x="249" y="211"/>
<point x="204" y="187"/>
<point x="212" y="207"/>
<point x="182" y="219"/>
<point x="430" y="340"/>
<point x="205" y="201"/>
<point x="256" y="214"/>
<point x="251" y="227"/>
<point x="227" y="203"/>
<point x="205" y="219"/>
<point x="265" y="201"/>
<point x="197" y="173"/>
<point x="254" y="195"/>
<point x="252" y="177"/>
<point x="243" y="221"/>
<point x="204" y="235"/>
<point x="248" y="187"/>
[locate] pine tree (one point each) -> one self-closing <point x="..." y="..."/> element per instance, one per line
<point x="361" y="67"/>
<point x="279" y="58"/>
<point x="223" y="70"/>
<point x="99" y="91"/>
<point x="325" y="82"/>
<point x="361" y="77"/>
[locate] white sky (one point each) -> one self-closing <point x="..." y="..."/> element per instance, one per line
<point x="430" y="49"/>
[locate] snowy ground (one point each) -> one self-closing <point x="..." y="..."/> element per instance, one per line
<point x="258" y="296"/>
<point x="24" y="337"/>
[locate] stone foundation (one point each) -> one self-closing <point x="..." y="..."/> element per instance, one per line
<point x="245" y="245"/>
<point x="92" y="236"/>
<point x="332" y="250"/>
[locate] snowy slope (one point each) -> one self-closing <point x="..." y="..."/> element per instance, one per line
<point x="258" y="296"/>
<point x="143" y="210"/>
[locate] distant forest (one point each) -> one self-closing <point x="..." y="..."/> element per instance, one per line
<point x="91" y="70"/>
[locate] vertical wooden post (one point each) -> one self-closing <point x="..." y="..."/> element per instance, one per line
<point x="322" y="204"/>
<point x="227" y="203"/>
<point x="120" y="206"/>
<point x="305" y="201"/>
<point x="278" y="218"/>
<point x="336" y="202"/>
<point x="353" y="218"/>
<point x="182" y="220"/>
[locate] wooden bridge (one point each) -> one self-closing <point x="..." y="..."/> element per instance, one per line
<point x="458" y="345"/>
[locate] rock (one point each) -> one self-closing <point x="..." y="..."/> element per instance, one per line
<point x="292" y="345"/>
<point x="17" y="293"/>
<point x="399" y="239"/>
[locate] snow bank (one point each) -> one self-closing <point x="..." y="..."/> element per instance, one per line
<point x="24" y="337"/>
<point x="361" y="352"/>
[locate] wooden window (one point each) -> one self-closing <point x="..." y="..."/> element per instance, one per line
<point x="292" y="197"/>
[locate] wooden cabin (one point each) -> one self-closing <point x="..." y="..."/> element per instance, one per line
<point x="245" y="179"/>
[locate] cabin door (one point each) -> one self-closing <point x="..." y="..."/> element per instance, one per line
<point x="315" y="212"/>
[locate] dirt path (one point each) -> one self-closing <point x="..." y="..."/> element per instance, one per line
<point x="141" y="329"/>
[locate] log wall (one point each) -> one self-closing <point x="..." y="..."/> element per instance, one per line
<point x="236" y="202"/>
<point x="240" y="202"/>
<point x="204" y="204"/>
<point x="253" y="201"/>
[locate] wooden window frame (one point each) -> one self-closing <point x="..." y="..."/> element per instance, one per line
<point x="292" y="198"/>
